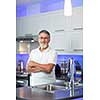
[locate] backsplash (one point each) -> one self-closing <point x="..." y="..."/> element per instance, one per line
<point x="60" y="58"/>
<point x="23" y="57"/>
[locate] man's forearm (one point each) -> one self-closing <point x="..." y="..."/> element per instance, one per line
<point x="33" y="64"/>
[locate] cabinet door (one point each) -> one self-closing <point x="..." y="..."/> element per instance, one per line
<point x="27" y="25"/>
<point x="32" y="25"/>
<point x="45" y="22"/>
<point x="59" y="41"/>
<point x="58" y="21"/>
<point x="20" y="24"/>
<point x="77" y="18"/>
<point x="77" y="40"/>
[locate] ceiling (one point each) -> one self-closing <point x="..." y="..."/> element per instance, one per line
<point x="23" y="2"/>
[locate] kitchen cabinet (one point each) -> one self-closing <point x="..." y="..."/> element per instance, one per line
<point x="45" y="22"/>
<point x="27" y="25"/>
<point x="76" y="20"/>
<point x="60" y="41"/>
<point x="58" y="20"/>
<point x="74" y="24"/>
<point x="76" y="40"/>
<point x="68" y="41"/>
<point x="66" y="32"/>
<point x="32" y="25"/>
<point x="21" y="24"/>
<point x="50" y="21"/>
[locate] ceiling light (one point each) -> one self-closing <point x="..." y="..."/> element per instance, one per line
<point x="21" y="41"/>
<point x="67" y="8"/>
<point x="32" y="41"/>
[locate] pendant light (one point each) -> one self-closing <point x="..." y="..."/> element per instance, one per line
<point x="67" y="8"/>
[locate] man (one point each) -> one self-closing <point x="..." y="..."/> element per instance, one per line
<point x="41" y="61"/>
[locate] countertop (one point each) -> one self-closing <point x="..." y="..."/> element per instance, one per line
<point x="29" y="93"/>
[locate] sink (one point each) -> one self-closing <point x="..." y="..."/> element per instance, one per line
<point x="50" y="88"/>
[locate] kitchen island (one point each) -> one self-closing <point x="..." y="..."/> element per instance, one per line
<point x="32" y="93"/>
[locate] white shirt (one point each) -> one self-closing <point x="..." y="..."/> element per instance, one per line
<point x="44" y="57"/>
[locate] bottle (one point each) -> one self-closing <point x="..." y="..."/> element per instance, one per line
<point x="22" y="65"/>
<point x="71" y="83"/>
<point x="19" y="67"/>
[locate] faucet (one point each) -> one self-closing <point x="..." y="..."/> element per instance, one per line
<point x="71" y="72"/>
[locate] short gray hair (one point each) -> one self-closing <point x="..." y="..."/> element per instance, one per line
<point x="44" y="31"/>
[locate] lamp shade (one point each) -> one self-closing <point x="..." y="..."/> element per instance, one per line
<point x="67" y="8"/>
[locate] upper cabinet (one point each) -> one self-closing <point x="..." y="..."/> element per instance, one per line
<point x="76" y="34"/>
<point x="66" y="32"/>
<point x="77" y="18"/>
<point x="60" y="41"/>
<point x="27" y="25"/>
<point x="76" y="40"/>
<point x="58" y="20"/>
<point x="51" y="21"/>
<point x="45" y="22"/>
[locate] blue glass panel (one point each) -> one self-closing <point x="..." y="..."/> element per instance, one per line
<point x="23" y="57"/>
<point x="21" y="11"/>
<point x="79" y="58"/>
<point x="60" y="58"/>
<point x="77" y="3"/>
<point x="51" y="5"/>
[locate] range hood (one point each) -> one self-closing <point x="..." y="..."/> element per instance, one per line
<point x="27" y="37"/>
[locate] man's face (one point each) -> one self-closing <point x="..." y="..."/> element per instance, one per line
<point x="44" y="40"/>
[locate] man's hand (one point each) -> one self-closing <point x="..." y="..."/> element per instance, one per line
<point x="33" y="69"/>
<point x="31" y="64"/>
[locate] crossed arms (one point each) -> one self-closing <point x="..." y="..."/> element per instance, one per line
<point x="33" y="66"/>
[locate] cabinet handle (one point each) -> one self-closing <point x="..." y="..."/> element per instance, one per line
<point x="62" y="30"/>
<point x="77" y="49"/>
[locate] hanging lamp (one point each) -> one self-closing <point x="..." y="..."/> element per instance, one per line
<point x="67" y="8"/>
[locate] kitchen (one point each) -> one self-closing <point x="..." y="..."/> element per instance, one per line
<point x="65" y="30"/>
